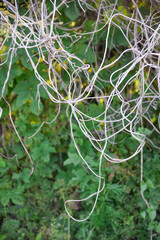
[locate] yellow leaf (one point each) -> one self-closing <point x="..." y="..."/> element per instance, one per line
<point x="41" y="60"/>
<point x="58" y="67"/>
<point x="66" y="97"/>
<point x="154" y="119"/>
<point x="3" y="49"/>
<point x="83" y="85"/>
<point x="72" y="24"/>
<point x="131" y="92"/>
<point x="137" y="85"/>
<point x="5" y="12"/>
<point x="90" y="70"/>
<point x="40" y="23"/>
<point x="76" y="79"/>
<point x="78" y="103"/>
<point x="48" y="81"/>
<point x="102" y="124"/>
<point x="101" y="100"/>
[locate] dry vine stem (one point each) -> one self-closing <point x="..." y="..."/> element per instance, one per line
<point x="38" y="29"/>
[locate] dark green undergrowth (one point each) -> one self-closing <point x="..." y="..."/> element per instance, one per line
<point x="32" y="207"/>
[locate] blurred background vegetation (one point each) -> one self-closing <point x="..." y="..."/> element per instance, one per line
<point x="32" y="207"/>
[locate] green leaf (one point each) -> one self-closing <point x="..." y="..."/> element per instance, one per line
<point x="3" y="236"/>
<point x="43" y="92"/>
<point x="43" y="151"/>
<point x="25" y="60"/>
<point x="72" y="12"/>
<point x="144" y="131"/>
<point x="129" y="220"/>
<point x="151" y="225"/>
<point x="56" y="186"/>
<point x="23" y="89"/>
<point x="39" y="236"/>
<point x="73" y="158"/>
<point x="143" y="214"/>
<point x="157" y="228"/>
<point x="143" y="186"/>
<point x="89" y="25"/>
<point x="119" y="39"/>
<point x="150" y="183"/>
<point x="80" y="50"/>
<point x="2" y="163"/>
<point x="5" y="197"/>
<point x="46" y="147"/>
<point x="19" y="150"/>
<point x="152" y="212"/>
<point x="34" y="107"/>
<point x="25" y="175"/>
<point x="16" y="176"/>
<point x="17" y="198"/>
<point x="92" y="162"/>
<point x="16" y="71"/>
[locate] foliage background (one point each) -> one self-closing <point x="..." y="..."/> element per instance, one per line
<point x="32" y="207"/>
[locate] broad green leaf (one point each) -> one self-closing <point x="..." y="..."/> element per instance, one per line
<point x="151" y="225"/>
<point x="43" y="93"/>
<point x="17" y="199"/>
<point x="16" y="176"/>
<point x="157" y="228"/>
<point x="56" y="186"/>
<point x="46" y="147"/>
<point x="35" y="109"/>
<point x="143" y="214"/>
<point x="88" y="56"/>
<point x="39" y="236"/>
<point x="152" y="212"/>
<point x="72" y="12"/>
<point x="92" y="162"/>
<point x="129" y="220"/>
<point x="25" y="175"/>
<point x="150" y="183"/>
<point x="73" y="158"/>
<point x="143" y="186"/>
<point x="110" y="38"/>
<point x="25" y="60"/>
<point x="45" y="158"/>
<point x="16" y="71"/>
<point x="19" y="151"/>
<point x="43" y="151"/>
<point x="144" y="131"/>
<point x="119" y="39"/>
<point x="23" y="89"/>
<point x="89" y="25"/>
